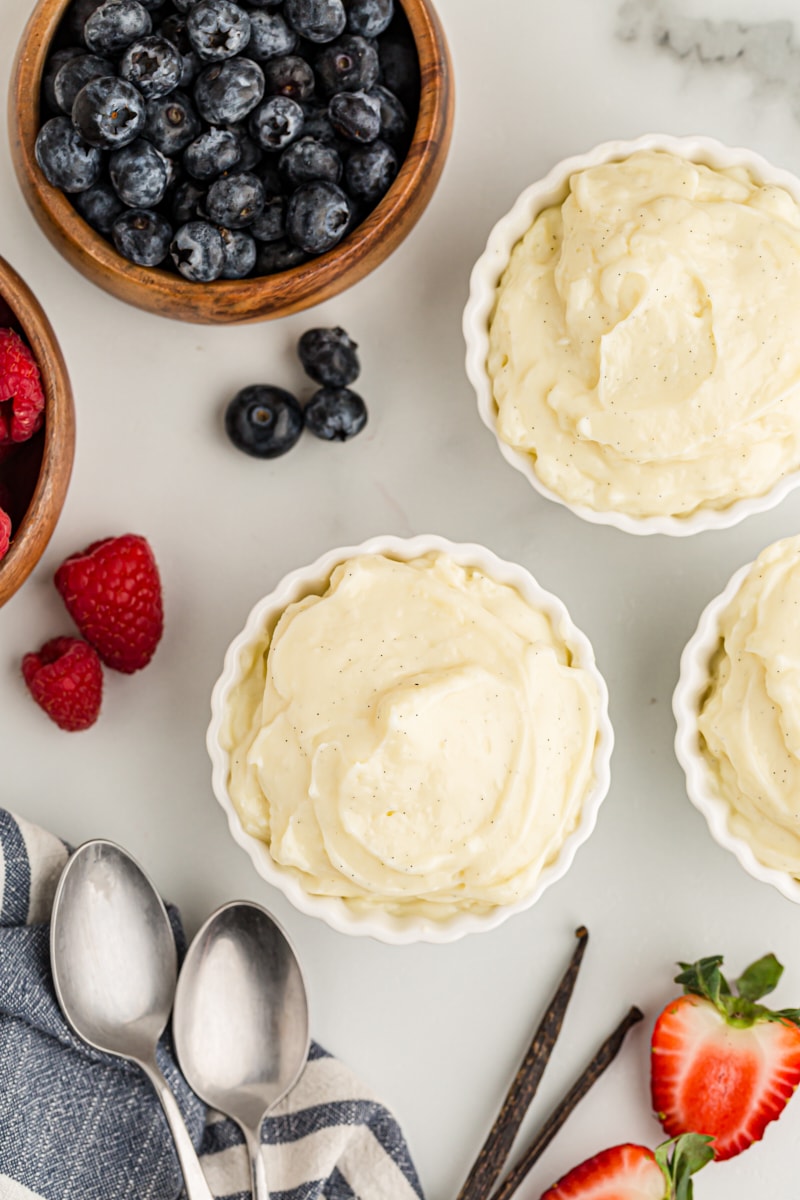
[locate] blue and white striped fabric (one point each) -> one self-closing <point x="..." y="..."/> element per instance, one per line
<point x="79" y="1125"/>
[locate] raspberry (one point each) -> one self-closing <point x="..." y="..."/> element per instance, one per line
<point x="66" y="680"/>
<point x="113" y="593"/>
<point x="5" y="531"/>
<point x="21" y="395"/>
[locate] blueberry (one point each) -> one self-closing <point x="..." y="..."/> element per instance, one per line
<point x="329" y="357"/>
<point x="186" y="202"/>
<point x="77" y="14"/>
<point x="369" y="17"/>
<point x="348" y="65"/>
<point x="142" y="236"/>
<point x="270" y="225"/>
<point x="265" y="3"/>
<point x="276" y="122"/>
<point x="54" y="64"/>
<point x="288" y="76"/>
<point x="171" y="123"/>
<point x="212" y="153"/>
<point x="240" y="253"/>
<point x="109" y="112"/>
<point x="66" y="160"/>
<point x="399" y="66"/>
<point x="198" y="251"/>
<point x="115" y="24"/>
<point x="235" y="200"/>
<point x="270" y="36"/>
<point x="395" y="125"/>
<point x="277" y="256"/>
<point x="316" y="122"/>
<point x="316" y="20"/>
<point x="153" y="65"/>
<point x="139" y="174"/>
<point x="226" y="92"/>
<point x="370" y="171"/>
<point x="250" y="152"/>
<point x="173" y="28"/>
<point x="183" y="6"/>
<point x="263" y="421"/>
<point x="308" y="160"/>
<point x="75" y="74"/>
<point x="190" y="69"/>
<point x="356" y="116"/>
<point x="218" y="29"/>
<point x="99" y="206"/>
<point x="317" y="216"/>
<point x="335" y="414"/>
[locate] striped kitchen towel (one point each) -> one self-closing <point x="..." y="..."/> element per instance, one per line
<point x="79" y="1125"/>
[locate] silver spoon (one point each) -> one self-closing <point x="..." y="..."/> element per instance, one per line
<point x="114" y="967"/>
<point x="241" y="1021"/>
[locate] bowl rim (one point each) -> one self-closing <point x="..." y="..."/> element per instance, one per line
<point x="691" y="686"/>
<point x="35" y="529"/>
<point x="332" y="910"/>
<point x="256" y="297"/>
<point x="485" y="276"/>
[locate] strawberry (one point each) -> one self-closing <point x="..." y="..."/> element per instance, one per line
<point x="631" y="1172"/>
<point x="66" y="680"/>
<point x="113" y="593"/>
<point x="723" y="1064"/>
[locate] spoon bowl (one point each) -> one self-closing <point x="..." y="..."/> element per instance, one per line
<point x="114" y="966"/>
<point x="240" y="1022"/>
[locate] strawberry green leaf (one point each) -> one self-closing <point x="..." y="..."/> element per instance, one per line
<point x="679" y="1159"/>
<point x="704" y="978"/>
<point x="760" y="978"/>
<point x="784" y="1014"/>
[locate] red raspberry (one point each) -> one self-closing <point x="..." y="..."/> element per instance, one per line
<point x="113" y="593"/>
<point x="21" y="395"/>
<point x="5" y="532"/>
<point x="66" y="680"/>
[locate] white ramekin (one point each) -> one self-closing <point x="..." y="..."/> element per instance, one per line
<point x="686" y="700"/>
<point x="490" y="266"/>
<point x="334" y="911"/>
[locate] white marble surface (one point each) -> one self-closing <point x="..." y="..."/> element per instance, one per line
<point x="436" y="1031"/>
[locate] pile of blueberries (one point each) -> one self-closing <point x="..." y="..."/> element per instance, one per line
<point x="228" y="139"/>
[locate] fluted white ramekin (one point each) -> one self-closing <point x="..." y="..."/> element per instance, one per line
<point x="313" y="580"/>
<point x="486" y="275"/>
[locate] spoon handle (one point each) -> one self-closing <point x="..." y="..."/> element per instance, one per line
<point x="258" y="1172"/>
<point x="196" y="1186"/>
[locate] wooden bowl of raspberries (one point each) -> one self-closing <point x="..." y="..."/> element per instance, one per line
<point x="37" y="431"/>
<point x="229" y="160"/>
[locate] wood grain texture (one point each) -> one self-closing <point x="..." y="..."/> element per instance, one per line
<point x="36" y="527"/>
<point x="263" y="297"/>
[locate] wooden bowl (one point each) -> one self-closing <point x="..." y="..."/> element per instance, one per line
<point x="49" y="453"/>
<point x="262" y="297"/>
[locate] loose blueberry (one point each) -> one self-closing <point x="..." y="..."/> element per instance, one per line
<point x="370" y="171"/>
<point x="270" y="36"/>
<point x="356" y="116"/>
<point x="240" y="253"/>
<point x="99" y="206"/>
<point x="369" y="18"/>
<point x="226" y="92"/>
<point x="217" y="29"/>
<point x="66" y="160"/>
<point x="335" y="414"/>
<point x="171" y="123"/>
<point x="142" y="236"/>
<point x="347" y="65"/>
<point x="276" y="123"/>
<point x="316" y="20"/>
<point x="212" y="153"/>
<point x="198" y="252"/>
<point x="288" y="76"/>
<point x="109" y="112"/>
<point x="139" y="174"/>
<point x="153" y="65"/>
<point x="308" y="160"/>
<point x="115" y="24"/>
<point x="317" y="216"/>
<point x="75" y="74"/>
<point x="263" y="421"/>
<point x="395" y="125"/>
<point x="329" y="357"/>
<point x="235" y="201"/>
<point x="277" y="256"/>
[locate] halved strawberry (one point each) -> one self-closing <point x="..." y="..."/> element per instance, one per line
<point x="631" y="1172"/>
<point x="723" y="1064"/>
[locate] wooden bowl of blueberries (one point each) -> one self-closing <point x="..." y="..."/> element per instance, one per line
<point x="229" y="160"/>
<point x="37" y="431"/>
